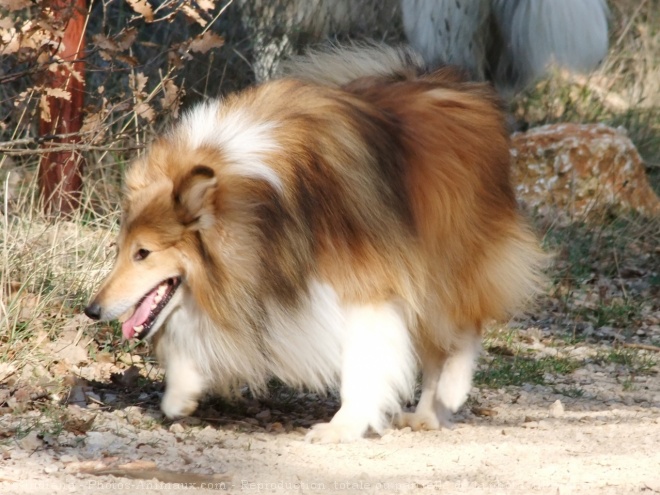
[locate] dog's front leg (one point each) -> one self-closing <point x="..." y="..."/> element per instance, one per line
<point x="184" y="385"/>
<point x="378" y="372"/>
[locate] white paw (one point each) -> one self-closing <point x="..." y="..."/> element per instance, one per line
<point x="333" y="433"/>
<point x="178" y="405"/>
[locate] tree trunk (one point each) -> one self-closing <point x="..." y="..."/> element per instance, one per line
<point x="60" y="172"/>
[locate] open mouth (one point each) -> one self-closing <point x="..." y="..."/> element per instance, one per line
<point x="139" y="324"/>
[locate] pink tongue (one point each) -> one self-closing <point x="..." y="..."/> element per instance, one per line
<point x="139" y="316"/>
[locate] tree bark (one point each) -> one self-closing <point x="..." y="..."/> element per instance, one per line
<point x="60" y="172"/>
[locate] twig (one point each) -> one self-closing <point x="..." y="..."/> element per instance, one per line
<point x="75" y="146"/>
<point x="630" y="23"/>
<point x="644" y="347"/>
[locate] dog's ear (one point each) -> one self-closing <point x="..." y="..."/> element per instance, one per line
<point x="194" y="197"/>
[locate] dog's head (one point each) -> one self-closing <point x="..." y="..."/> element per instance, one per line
<point x="170" y="199"/>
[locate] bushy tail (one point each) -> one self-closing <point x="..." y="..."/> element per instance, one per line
<point x="343" y="64"/>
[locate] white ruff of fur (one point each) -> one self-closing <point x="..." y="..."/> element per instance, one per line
<point x="368" y="347"/>
<point x="243" y="142"/>
<point x="306" y="347"/>
<point x="302" y="348"/>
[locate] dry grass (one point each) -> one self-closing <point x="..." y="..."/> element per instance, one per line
<point x="50" y="268"/>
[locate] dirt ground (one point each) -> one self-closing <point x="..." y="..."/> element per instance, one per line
<point x="595" y="430"/>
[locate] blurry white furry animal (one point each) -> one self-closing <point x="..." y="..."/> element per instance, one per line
<point x="512" y="42"/>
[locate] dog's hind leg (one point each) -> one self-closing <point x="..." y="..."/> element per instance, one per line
<point x="456" y="377"/>
<point x="427" y="415"/>
<point x="446" y="383"/>
<point x="378" y="371"/>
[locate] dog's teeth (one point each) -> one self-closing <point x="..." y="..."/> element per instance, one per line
<point x="139" y="328"/>
<point x="161" y="290"/>
<point x="154" y="306"/>
<point x="157" y="299"/>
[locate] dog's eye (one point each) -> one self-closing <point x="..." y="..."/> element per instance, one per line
<point x="141" y="254"/>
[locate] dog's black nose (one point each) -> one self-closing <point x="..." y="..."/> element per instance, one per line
<point x="93" y="311"/>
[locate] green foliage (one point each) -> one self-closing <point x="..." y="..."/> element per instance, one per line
<point x="503" y="371"/>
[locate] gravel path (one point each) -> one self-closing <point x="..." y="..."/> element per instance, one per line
<point x="513" y="440"/>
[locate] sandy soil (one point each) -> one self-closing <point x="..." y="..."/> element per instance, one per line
<point x="517" y="440"/>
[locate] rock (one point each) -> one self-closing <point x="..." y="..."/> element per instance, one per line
<point x="557" y="409"/>
<point x="580" y="169"/>
<point x="67" y="348"/>
<point x="51" y="469"/>
<point x="264" y="415"/>
<point x="275" y="427"/>
<point x="177" y="428"/>
<point x="30" y="442"/>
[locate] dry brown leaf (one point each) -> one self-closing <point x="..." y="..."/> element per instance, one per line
<point x="6" y="24"/>
<point x="58" y="93"/>
<point x="78" y="425"/>
<point x="10" y="40"/>
<point x="6" y="370"/>
<point x="175" y="58"/>
<point x="93" y="123"/>
<point x="65" y="350"/>
<point x="138" y="82"/>
<point x="127" y="38"/>
<point x="484" y="411"/>
<point x="44" y="106"/>
<point x="205" y="42"/>
<point x="144" y="110"/>
<point x="102" y="42"/>
<point x="127" y="59"/>
<point x="206" y="4"/>
<point x="143" y="8"/>
<point x="193" y="14"/>
<point x="171" y="100"/>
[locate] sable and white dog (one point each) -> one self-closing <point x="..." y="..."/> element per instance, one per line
<point x="343" y="226"/>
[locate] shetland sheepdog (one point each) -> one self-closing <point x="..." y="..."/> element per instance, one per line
<point x="344" y="226"/>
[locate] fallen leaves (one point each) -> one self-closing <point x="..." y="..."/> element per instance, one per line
<point x="205" y="42"/>
<point x="483" y="411"/>
<point x="143" y="8"/>
<point x="76" y="422"/>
